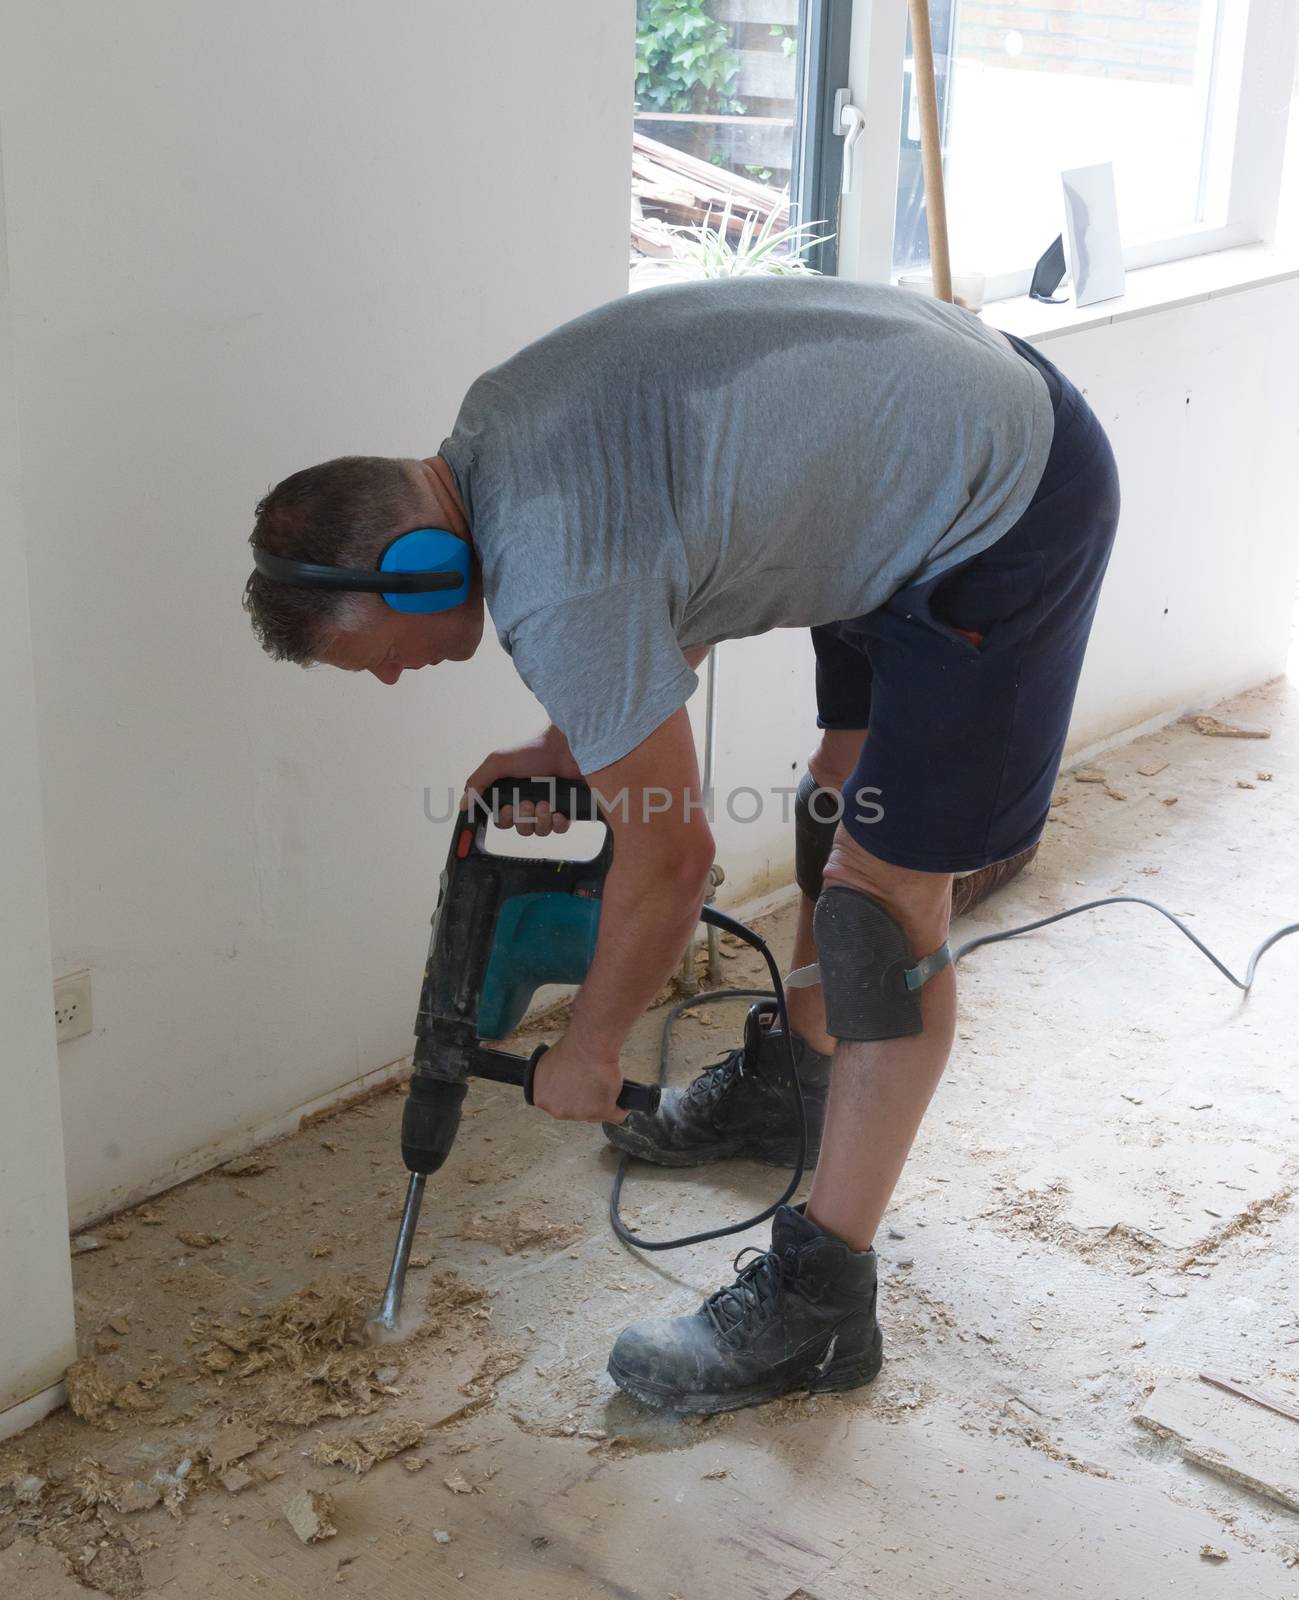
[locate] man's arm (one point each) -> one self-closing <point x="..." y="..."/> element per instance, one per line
<point x="662" y="852"/>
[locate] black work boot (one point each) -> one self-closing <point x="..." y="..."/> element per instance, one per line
<point x="742" y="1106"/>
<point x="800" y="1316"/>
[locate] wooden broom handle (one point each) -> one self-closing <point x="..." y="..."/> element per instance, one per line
<point x="931" y="148"/>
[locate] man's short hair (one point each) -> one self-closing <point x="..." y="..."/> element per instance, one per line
<point x="341" y="514"/>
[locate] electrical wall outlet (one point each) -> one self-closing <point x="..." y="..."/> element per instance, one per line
<point x="72" y="1006"/>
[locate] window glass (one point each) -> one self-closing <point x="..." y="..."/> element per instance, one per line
<point x="1029" y="89"/>
<point x="714" y="124"/>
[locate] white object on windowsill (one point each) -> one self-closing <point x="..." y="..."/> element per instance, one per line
<point x="1151" y="289"/>
<point x="1091" y="211"/>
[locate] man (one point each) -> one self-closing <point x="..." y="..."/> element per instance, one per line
<point x="705" y="462"/>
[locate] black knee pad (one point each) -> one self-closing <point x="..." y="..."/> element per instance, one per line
<point x="869" y="978"/>
<point x="816" y="816"/>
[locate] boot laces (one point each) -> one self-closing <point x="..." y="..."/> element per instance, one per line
<point x="716" y="1081"/>
<point x="759" y="1284"/>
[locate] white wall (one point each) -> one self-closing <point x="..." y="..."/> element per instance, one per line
<point x="245" y="237"/>
<point x="1201" y="403"/>
<point x="36" y="1336"/>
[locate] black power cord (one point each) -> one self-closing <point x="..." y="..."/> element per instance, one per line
<point x="719" y="919"/>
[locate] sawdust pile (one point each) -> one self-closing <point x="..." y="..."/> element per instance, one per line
<point x="95" y="1485"/>
<point x="452" y="1304"/>
<point x="362" y="1451"/>
<point x="298" y="1362"/>
<point x="69" y="1519"/>
<point x="1254" y="1217"/>
<point x="306" y="1354"/>
<point x="519" y="1230"/>
<point x="93" y="1395"/>
<point x="90" y="1390"/>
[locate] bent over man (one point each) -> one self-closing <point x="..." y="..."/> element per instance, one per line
<point x="936" y="503"/>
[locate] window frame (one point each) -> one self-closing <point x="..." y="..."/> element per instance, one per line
<point x="825" y="38"/>
<point x="1248" y="100"/>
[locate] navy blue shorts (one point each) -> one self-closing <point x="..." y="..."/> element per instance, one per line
<point x="966" y="682"/>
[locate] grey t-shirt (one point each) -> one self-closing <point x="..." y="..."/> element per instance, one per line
<point x="711" y="460"/>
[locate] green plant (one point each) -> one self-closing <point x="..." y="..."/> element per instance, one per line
<point x="788" y="42"/>
<point x="684" y="58"/>
<point x="707" y="251"/>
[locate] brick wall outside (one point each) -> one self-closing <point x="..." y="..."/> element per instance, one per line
<point x="1151" y="40"/>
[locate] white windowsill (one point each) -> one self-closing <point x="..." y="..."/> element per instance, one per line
<point x="1149" y="289"/>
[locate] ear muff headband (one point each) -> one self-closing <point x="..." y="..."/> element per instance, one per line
<point x="424" y="571"/>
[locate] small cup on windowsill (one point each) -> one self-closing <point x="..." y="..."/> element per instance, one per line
<point x="968" y="288"/>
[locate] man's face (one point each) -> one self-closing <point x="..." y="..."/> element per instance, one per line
<point x="393" y="642"/>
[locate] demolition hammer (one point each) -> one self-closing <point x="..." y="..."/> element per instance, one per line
<point x="504" y="926"/>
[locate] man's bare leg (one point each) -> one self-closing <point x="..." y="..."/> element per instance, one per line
<point x="802" y="1316"/>
<point x="880" y="1090"/>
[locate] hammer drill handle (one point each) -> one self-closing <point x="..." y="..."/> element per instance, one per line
<point x="631" y="1097"/>
<point x="567" y="796"/>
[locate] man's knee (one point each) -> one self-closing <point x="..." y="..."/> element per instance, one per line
<point x="881" y="935"/>
<point x="920" y="901"/>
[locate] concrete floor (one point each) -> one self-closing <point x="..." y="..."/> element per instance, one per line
<point x="1101" y="1200"/>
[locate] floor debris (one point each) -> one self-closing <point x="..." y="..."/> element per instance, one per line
<point x="310" y="1513"/>
<point x="497" y="1363"/>
<point x="306" y="1354"/>
<point x="519" y="1230"/>
<point x="1217" y="728"/>
<point x="231" y="1442"/>
<point x="359" y="1452"/>
<point x="247" y="1166"/>
<point x="94" y="1485"/>
<point x="1227" y="1435"/>
<point x="1283" y="1405"/>
<point x="90" y="1390"/>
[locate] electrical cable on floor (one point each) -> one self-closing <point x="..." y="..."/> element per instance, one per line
<point x="777" y="991"/>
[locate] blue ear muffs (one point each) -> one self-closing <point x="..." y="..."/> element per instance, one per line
<point x="427" y="551"/>
<point x="423" y="571"/>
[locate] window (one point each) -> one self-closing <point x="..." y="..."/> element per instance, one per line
<point x="738" y="102"/>
<point x="1187" y="98"/>
<point x="1030" y="91"/>
<point x="731" y="125"/>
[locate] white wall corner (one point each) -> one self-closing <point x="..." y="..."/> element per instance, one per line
<point x="37" y="1338"/>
